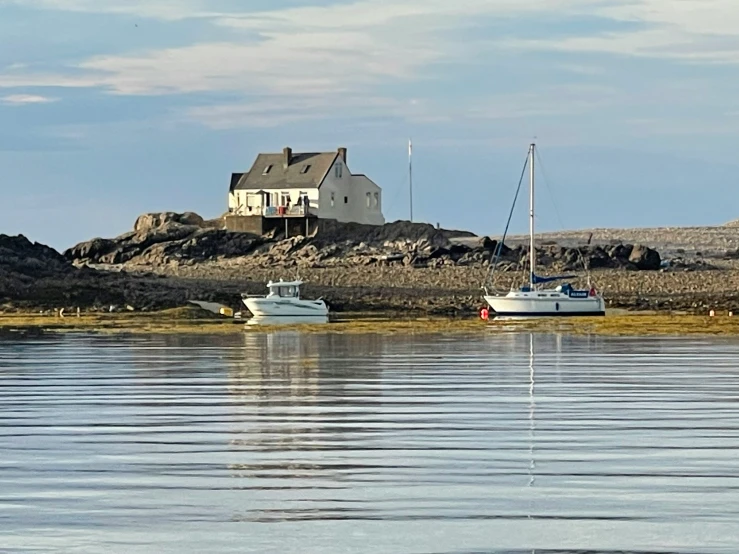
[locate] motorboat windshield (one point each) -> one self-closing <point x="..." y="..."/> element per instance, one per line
<point x="284" y="289"/>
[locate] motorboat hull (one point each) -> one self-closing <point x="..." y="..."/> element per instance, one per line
<point x="291" y="307"/>
<point x="545" y="304"/>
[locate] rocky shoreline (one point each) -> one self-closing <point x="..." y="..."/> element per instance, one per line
<point x="169" y="259"/>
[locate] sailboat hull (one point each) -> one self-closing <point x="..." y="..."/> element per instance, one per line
<point x="545" y="304"/>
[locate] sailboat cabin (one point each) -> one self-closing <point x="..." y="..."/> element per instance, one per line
<point x="305" y="185"/>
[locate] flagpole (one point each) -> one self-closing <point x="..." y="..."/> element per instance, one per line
<point x="410" y="174"/>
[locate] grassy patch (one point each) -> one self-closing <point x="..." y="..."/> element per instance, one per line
<point x="189" y="320"/>
<point x="180" y="320"/>
<point x="617" y="325"/>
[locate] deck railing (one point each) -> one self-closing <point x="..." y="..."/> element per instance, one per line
<point x="276" y="211"/>
<point x="287" y="211"/>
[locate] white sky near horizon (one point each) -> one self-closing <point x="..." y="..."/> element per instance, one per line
<point x="109" y="109"/>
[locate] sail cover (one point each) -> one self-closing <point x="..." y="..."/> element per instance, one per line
<point x="537" y="280"/>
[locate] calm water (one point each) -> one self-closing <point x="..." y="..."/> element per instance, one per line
<point x="287" y="443"/>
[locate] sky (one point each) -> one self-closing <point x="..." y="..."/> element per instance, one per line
<point x="113" y="108"/>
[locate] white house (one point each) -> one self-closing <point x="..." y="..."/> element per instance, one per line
<point x="306" y="184"/>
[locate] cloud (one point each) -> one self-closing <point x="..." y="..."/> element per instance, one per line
<point x="694" y="31"/>
<point x="336" y="50"/>
<point x="306" y="62"/>
<point x="24" y="99"/>
<point x="277" y="111"/>
<point x="167" y="10"/>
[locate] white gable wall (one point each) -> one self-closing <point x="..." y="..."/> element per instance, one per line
<point x="343" y="197"/>
<point x="368" y="206"/>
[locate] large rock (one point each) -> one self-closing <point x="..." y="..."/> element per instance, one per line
<point x="94" y="249"/>
<point x="160" y="240"/>
<point x="147" y="222"/>
<point x="620" y="252"/>
<point x="645" y="258"/>
<point x="168" y="232"/>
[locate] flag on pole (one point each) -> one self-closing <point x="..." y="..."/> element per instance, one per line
<point x="410" y="148"/>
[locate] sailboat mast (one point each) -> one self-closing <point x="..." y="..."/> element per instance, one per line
<point x="532" y="251"/>
<point x="410" y="175"/>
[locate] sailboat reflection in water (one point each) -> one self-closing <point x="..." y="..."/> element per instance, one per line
<point x="532" y="410"/>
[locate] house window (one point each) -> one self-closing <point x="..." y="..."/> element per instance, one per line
<point x="267" y="170"/>
<point x="346" y="200"/>
<point x="285" y="199"/>
<point x="369" y="200"/>
<point x="303" y="202"/>
<point x="333" y="199"/>
<point x="337" y="169"/>
<point x="305" y="169"/>
<point x="377" y="199"/>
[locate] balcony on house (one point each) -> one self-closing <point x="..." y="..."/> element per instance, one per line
<point x="289" y="211"/>
<point x="275" y="211"/>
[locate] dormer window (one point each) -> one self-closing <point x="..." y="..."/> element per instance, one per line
<point x="305" y="169"/>
<point x="267" y="170"/>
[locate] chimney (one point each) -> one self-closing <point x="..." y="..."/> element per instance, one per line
<point x="342" y="154"/>
<point x="287" y="154"/>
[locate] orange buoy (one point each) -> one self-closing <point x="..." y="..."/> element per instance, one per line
<point x="484" y="314"/>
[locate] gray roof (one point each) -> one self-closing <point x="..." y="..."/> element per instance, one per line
<point x="235" y="178"/>
<point x="305" y="170"/>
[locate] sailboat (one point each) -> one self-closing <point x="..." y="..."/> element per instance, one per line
<point x="532" y="300"/>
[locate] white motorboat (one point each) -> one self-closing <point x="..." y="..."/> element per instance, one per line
<point x="530" y="300"/>
<point x="284" y="300"/>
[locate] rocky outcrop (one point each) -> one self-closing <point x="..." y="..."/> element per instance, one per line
<point x="165" y="238"/>
<point x="181" y="239"/>
<point x="169" y="258"/>
<point x="22" y="259"/>
<point x="33" y="275"/>
<point x="332" y="232"/>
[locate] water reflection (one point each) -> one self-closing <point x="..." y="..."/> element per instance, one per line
<point x="291" y="442"/>
<point x="287" y="320"/>
<point x="532" y="409"/>
<point x="297" y="405"/>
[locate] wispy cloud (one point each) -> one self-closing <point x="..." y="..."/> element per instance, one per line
<point x="168" y="10"/>
<point x="305" y="62"/>
<point x="683" y="30"/>
<point x="319" y="55"/>
<point x="24" y="99"/>
<point x="277" y="111"/>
